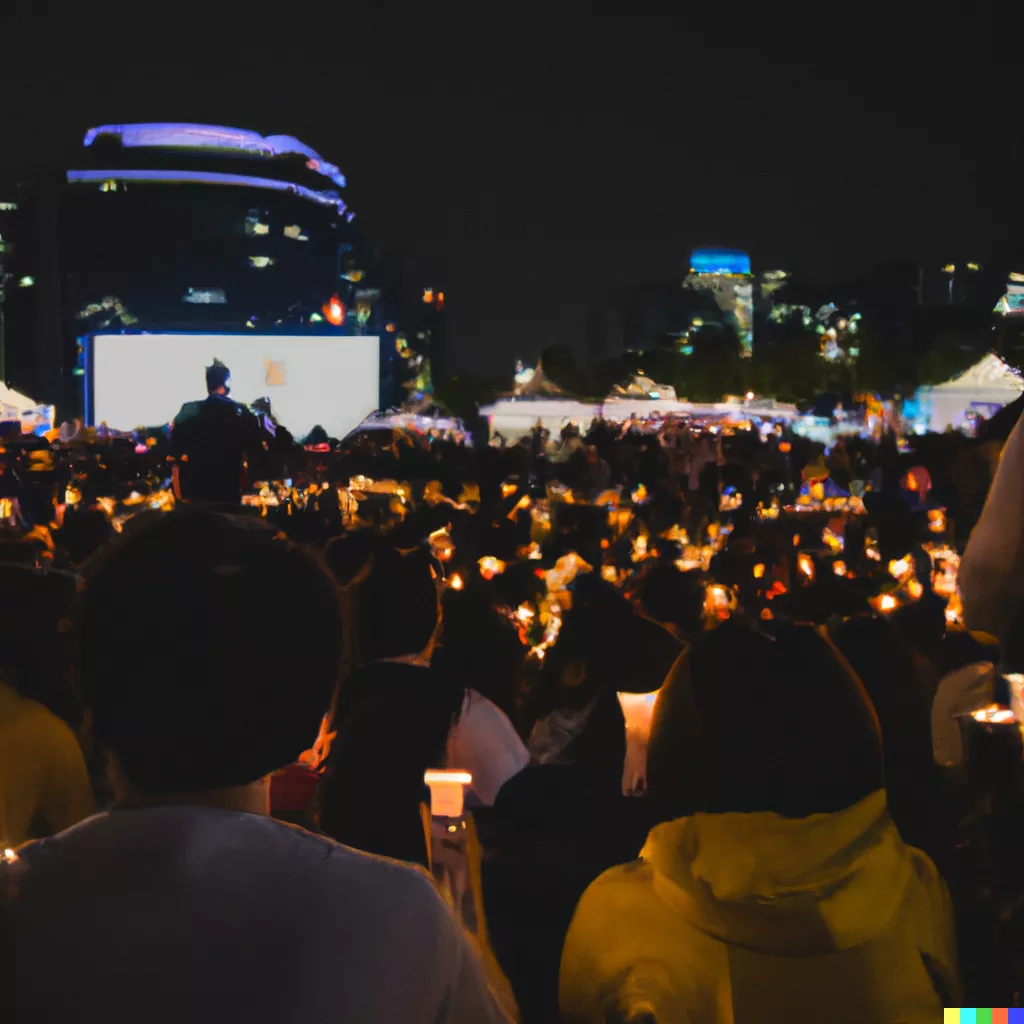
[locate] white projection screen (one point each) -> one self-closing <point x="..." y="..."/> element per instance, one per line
<point x="144" y="379"/>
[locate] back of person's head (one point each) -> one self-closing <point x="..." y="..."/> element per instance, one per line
<point x="209" y="651"/>
<point x="480" y="649"/>
<point x="674" y="598"/>
<point x="751" y="721"/>
<point x="217" y="376"/>
<point x="398" y="605"/>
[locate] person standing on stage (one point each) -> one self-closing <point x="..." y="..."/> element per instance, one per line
<point x="212" y="442"/>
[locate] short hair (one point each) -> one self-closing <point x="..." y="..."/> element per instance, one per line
<point x="217" y="376"/>
<point x="398" y="604"/>
<point x="749" y="721"/>
<point x="209" y="650"/>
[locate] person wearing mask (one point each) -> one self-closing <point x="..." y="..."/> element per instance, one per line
<point x="187" y="901"/>
<point x="212" y="442"/>
<point x="778" y="888"/>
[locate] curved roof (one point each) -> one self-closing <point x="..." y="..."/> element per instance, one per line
<point x="172" y="135"/>
<point x="719" y="261"/>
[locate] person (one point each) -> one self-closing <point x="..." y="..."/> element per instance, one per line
<point x="44" y="783"/>
<point x="482" y="653"/>
<point x="212" y="441"/>
<point x="902" y="692"/>
<point x="991" y="577"/>
<point x="778" y="888"/>
<point x="393" y="713"/>
<point x="186" y="901"/>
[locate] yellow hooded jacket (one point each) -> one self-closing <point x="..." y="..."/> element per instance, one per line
<point x="737" y="918"/>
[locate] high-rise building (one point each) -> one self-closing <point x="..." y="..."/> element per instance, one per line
<point x="183" y="228"/>
<point x="725" y="273"/>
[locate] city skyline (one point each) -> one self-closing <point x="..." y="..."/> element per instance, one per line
<point x="529" y="171"/>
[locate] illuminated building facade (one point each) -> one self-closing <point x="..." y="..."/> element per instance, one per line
<point x="725" y="273"/>
<point x="184" y="228"/>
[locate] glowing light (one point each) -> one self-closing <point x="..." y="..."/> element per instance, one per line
<point x="209" y="136"/>
<point x="26" y="282"/>
<point x="334" y="311"/>
<point x="428" y="295"/>
<point x="639" y="496"/>
<point x="996" y="714"/>
<point x="758" y="571"/>
<point x="949" y="268"/>
<point x="10" y="856"/>
<point x="806" y="565"/>
<point x="390" y="328"/>
<point x="525" y="614"/>
<point x="887" y="603"/>
<point x="839" y="568"/>
<point x="937" y="520"/>
<point x="750" y="396"/>
<point x="440" y="300"/>
<point x="609" y="574"/>
<point x="211" y="178"/>
<point x="456" y="582"/>
<point x="261" y="262"/>
<point x="915" y="589"/>
<point x="491" y="567"/>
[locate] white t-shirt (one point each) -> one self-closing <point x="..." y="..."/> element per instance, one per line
<point x="485" y="743"/>
<point x="172" y="914"/>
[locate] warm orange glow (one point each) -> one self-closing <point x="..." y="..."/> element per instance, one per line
<point x="440" y="301"/>
<point x="758" y="571"/>
<point x="428" y="295"/>
<point x="805" y="564"/>
<point x="914" y="589"/>
<point x="887" y="603"/>
<point x="997" y="714"/>
<point x="937" y="520"/>
<point x="839" y="568"/>
<point x="767" y="614"/>
<point x="456" y="582"/>
<point x="491" y="567"/>
<point x="785" y="447"/>
<point x="508" y="489"/>
<point x="390" y="328"/>
<point x="334" y="311"/>
<point x="899" y="567"/>
<point x="796" y="540"/>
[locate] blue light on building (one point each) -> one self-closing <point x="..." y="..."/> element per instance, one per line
<point x="719" y="261"/>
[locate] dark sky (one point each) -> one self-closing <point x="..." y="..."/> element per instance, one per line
<point x="531" y="167"/>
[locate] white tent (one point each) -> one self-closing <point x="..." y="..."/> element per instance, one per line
<point x="981" y="391"/>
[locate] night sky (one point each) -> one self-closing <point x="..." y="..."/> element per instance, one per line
<point x="530" y="168"/>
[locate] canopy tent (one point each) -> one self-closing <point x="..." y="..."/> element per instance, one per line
<point x="32" y="416"/>
<point x="980" y="392"/>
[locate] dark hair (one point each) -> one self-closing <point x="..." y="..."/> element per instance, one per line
<point x="209" y="651"/>
<point x="749" y="721"/>
<point x="217" y="376"/>
<point x="480" y="650"/>
<point x="398" y="607"/>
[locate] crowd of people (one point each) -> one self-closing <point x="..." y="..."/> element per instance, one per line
<point x="734" y="754"/>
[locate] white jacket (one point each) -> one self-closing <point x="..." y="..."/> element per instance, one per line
<point x="992" y="568"/>
<point x="742" y="918"/>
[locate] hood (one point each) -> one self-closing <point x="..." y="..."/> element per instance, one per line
<point x="784" y="886"/>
